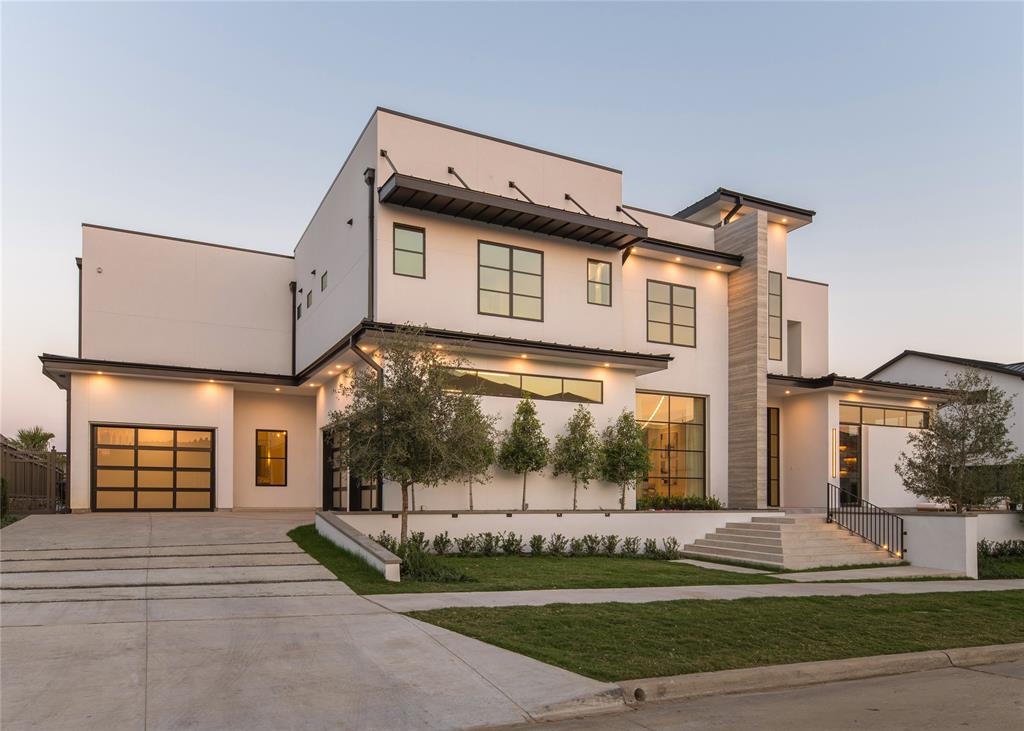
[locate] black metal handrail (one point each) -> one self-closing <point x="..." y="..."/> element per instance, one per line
<point x="867" y="520"/>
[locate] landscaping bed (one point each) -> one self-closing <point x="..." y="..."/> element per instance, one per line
<point x="624" y="641"/>
<point x="1001" y="559"/>
<point x="515" y="572"/>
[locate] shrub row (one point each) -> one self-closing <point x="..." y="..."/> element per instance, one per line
<point x="511" y="544"/>
<point x="678" y="502"/>
<point x="1000" y="549"/>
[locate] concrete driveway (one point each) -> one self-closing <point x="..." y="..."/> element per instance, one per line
<point x="218" y="621"/>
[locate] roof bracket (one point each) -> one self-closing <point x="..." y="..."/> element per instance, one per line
<point x="734" y="211"/>
<point x="622" y="210"/>
<point x="512" y="184"/>
<point x="384" y="154"/>
<point x="570" y="198"/>
<point x="451" y="171"/>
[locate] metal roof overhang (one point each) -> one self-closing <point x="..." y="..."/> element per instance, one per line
<point x="841" y="383"/>
<point x="58" y="368"/>
<point x="685" y="254"/>
<point x="496" y="210"/>
<point x="709" y="210"/>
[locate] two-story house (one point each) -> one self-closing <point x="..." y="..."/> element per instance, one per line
<point x="206" y="373"/>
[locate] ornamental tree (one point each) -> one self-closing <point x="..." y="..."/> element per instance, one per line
<point x="624" y="456"/>
<point x="956" y="459"/>
<point x="577" y="450"/>
<point x="524" y="448"/>
<point x="35" y="439"/>
<point x="404" y="421"/>
<point x="474" y="436"/>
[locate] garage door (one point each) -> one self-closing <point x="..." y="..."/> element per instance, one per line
<point x="140" y="467"/>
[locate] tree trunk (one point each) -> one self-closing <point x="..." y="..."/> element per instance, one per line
<point x="524" y="491"/>
<point x="471" y="495"/>
<point x="622" y="498"/>
<point x="574" y="484"/>
<point x="405" y="513"/>
<point x="414" y="498"/>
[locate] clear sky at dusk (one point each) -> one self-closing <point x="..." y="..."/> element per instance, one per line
<point x="900" y="124"/>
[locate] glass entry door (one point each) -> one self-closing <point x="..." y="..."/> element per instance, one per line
<point x="849" y="463"/>
<point x="335" y="492"/>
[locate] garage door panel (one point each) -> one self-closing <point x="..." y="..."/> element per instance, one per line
<point x="140" y="467"/>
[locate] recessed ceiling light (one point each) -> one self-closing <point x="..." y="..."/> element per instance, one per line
<point x="787" y="393"/>
<point x="437" y="347"/>
<point x="99" y="373"/>
<point x="211" y="380"/>
<point x="719" y="266"/>
<point x="312" y="385"/>
<point x="860" y="390"/>
<point x="277" y="389"/>
<point x="606" y="365"/>
<point x="925" y="398"/>
<point x="679" y="258"/>
<point x="523" y="355"/>
<point x="784" y="220"/>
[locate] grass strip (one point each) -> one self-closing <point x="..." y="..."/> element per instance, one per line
<point x="623" y="641"/>
<point x="510" y="573"/>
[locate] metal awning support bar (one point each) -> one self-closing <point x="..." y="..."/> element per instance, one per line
<point x="622" y="210"/>
<point x="384" y="154"/>
<point x="451" y="171"/>
<point x="512" y="184"/>
<point x="569" y="197"/>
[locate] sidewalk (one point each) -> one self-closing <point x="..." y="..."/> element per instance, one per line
<point x="418" y="602"/>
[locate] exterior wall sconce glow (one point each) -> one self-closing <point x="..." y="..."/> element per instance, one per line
<point x="835" y="453"/>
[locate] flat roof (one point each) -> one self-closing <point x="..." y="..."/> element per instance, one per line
<point x="185" y="241"/>
<point x="708" y="209"/>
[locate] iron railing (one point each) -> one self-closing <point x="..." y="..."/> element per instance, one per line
<point x="867" y="520"/>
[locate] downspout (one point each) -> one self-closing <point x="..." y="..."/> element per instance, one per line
<point x="291" y="286"/>
<point x="78" y="263"/>
<point x="369" y="175"/>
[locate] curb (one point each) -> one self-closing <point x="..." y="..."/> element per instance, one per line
<point x="776" y="677"/>
<point x="607" y="701"/>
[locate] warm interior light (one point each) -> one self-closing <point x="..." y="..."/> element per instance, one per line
<point x="277" y="389"/>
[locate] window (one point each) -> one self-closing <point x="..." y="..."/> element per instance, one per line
<point x="515" y="385"/>
<point x="323" y="281"/>
<point x="774" y="316"/>
<point x="298" y="312"/>
<point x="599" y="282"/>
<point x="773" y="457"/>
<point x="675" y="430"/>
<point x="511" y="282"/>
<point x="883" y="416"/>
<point x="410" y="251"/>
<point x="671" y="314"/>
<point x="309" y="299"/>
<point x="271" y="458"/>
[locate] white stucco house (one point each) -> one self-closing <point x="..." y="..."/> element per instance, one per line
<point x="206" y="373"/>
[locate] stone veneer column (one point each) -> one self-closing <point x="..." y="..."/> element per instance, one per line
<point x="748" y="358"/>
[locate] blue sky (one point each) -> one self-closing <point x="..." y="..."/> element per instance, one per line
<point x="900" y="124"/>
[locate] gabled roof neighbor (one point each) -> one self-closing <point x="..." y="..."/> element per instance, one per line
<point x="1009" y="369"/>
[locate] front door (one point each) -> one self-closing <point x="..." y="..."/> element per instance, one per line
<point x="774" y="479"/>
<point x="849" y="463"/>
<point x="333" y="475"/>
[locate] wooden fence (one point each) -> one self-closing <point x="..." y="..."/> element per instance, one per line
<point x="36" y="481"/>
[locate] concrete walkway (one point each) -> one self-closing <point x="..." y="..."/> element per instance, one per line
<point x="416" y="602"/>
<point x="878" y="572"/>
<point x="218" y="620"/>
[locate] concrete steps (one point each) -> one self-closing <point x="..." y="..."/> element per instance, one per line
<point x="789" y="542"/>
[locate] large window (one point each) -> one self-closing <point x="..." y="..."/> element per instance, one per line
<point x="511" y="282"/>
<point x="271" y="458"/>
<point x="518" y="385"/>
<point x="599" y="282"/>
<point x="882" y="416"/>
<point x="671" y="313"/>
<point x="675" y="428"/>
<point x="410" y="251"/>
<point x="774" y="316"/>
<point x="152" y="468"/>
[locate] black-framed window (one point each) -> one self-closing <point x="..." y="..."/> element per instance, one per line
<point x="510" y="281"/>
<point x="871" y="415"/>
<point x="774" y="477"/>
<point x="519" y="385"/>
<point x="774" y="316"/>
<point x="599" y="282"/>
<point x="309" y="299"/>
<point x="675" y="427"/>
<point x="671" y="313"/>
<point x="271" y="457"/>
<point x="298" y="311"/>
<point x="410" y="251"/>
<point x="323" y="281"/>
<point x="143" y="467"/>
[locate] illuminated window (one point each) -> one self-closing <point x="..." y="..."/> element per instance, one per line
<point x="674" y="427"/>
<point x="271" y="458"/>
<point x="774" y="316"/>
<point x="515" y="385"/>
<point x="599" y="282"/>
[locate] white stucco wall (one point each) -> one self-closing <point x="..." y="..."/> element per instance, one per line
<point x="669" y="228"/>
<point x="295" y="414"/>
<point x="1001" y="526"/>
<point x="147" y="299"/>
<point x="942" y="541"/>
<point x="806" y="431"/>
<point x="330" y="244"/>
<point x="115" y="399"/>
<point x="881" y="447"/>
<point x="807" y="303"/>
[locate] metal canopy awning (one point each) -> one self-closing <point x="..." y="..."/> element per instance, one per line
<point x="496" y="210"/>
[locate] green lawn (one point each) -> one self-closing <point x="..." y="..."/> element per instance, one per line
<point x="1004" y="567"/>
<point x="621" y="641"/>
<point x="507" y="573"/>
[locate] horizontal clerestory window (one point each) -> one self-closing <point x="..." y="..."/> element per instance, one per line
<point x="511" y="282"/>
<point x="883" y="416"/>
<point x="520" y="385"/>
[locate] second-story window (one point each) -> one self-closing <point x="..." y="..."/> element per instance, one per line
<point x="671" y="313"/>
<point x="323" y="281"/>
<point x="774" y="316"/>
<point x="511" y="282"/>
<point x="599" y="282"/>
<point x="410" y="251"/>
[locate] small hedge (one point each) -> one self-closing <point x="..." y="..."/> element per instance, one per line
<point x="415" y="550"/>
<point x="678" y="502"/>
<point x="1000" y="549"/>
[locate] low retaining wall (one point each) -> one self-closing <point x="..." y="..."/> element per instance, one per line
<point x="347" y="537"/>
<point x="1001" y="526"/>
<point x="685" y="525"/>
<point x="950" y="540"/>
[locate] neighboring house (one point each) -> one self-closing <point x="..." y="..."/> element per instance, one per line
<point x="934" y="369"/>
<point x="206" y="374"/>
